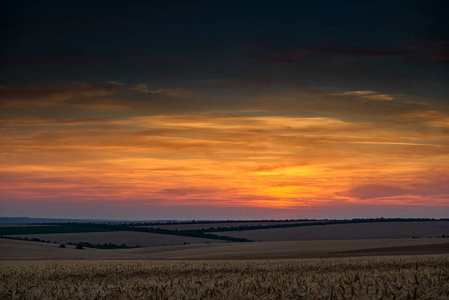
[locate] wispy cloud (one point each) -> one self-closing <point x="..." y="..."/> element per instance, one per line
<point x="76" y="93"/>
<point x="294" y="148"/>
<point x="110" y="96"/>
<point x="433" y="188"/>
<point x="357" y="93"/>
<point x="367" y="95"/>
<point x="379" y="97"/>
<point x="260" y="160"/>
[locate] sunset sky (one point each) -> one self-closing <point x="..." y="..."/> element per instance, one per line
<point x="224" y="109"/>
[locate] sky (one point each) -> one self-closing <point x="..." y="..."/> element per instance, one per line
<point x="145" y="110"/>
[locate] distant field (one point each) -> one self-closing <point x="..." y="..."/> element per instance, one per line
<point x="423" y="277"/>
<point x="296" y="249"/>
<point x="24" y="225"/>
<point x="189" y="226"/>
<point x="43" y="229"/>
<point x="379" y="230"/>
<point x="130" y="238"/>
<point x="13" y="249"/>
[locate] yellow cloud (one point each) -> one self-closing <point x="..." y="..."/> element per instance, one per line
<point x="241" y="159"/>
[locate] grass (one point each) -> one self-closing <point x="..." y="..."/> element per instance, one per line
<point x="424" y="277"/>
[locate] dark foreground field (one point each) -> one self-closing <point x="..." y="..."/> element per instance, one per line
<point x="413" y="277"/>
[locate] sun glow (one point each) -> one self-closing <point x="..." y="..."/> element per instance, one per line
<point x="262" y="161"/>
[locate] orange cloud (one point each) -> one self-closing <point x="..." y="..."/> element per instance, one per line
<point x="222" y="158"/>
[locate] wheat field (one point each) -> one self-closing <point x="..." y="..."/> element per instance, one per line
<point x="417" y="277"/>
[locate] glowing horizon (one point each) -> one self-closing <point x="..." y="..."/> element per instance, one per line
<point x="230" y="159"/>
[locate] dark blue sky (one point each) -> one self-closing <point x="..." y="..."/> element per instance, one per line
<point x="389" y="46"/>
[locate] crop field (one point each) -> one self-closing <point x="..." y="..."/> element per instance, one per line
<point x="16" y="250"/>
<point x="419" y="277"/>
<point x="23" y="225"/>
<point x="130" y="238"/>
<point x="41" y="229"/>
<point x="199" y="225"/>
<point x="347" y="231"/>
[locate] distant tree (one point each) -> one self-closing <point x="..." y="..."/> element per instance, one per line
<point x="62" y="246"/>
<point x="79" y="247"/>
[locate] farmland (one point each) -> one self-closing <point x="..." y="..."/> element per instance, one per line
<point x="347" y="231"/>
<point x="13" y="249"/>
<point x="374" y="233"/>
<point x="42" y="229"/>
<point x="130" y="238"/>
<point x="291" y="261"/>
<point x="207" y="225"/>
<point x="174" y="233"/>
<point x="424" y="277"/>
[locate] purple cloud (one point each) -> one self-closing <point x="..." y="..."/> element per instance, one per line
<point x="371" y="191"/>
<point x="437" y="187"/>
